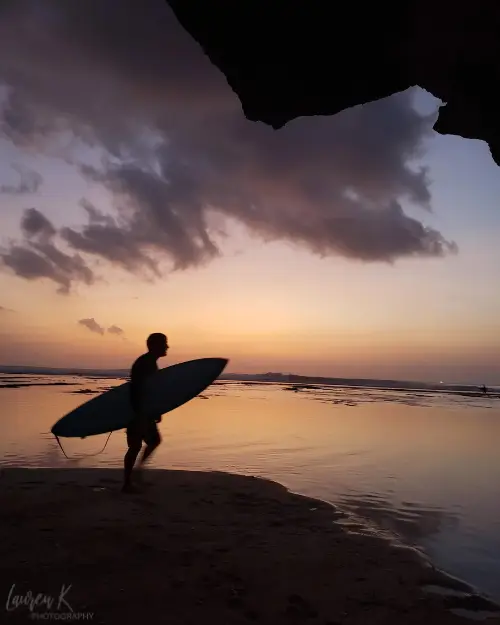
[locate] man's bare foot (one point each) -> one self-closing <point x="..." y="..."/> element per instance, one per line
<point x="130" y="488"/>
<point x="139" y="478"/>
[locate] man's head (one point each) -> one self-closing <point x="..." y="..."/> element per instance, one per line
<point x="157" y="344"/>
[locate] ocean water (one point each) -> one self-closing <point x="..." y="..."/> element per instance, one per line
<point x="424" y="466"/>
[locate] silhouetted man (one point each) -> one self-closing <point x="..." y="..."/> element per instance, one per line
<point x="143" y="427"/>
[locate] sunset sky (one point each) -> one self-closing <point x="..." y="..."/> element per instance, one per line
<point x="136" y="197"/>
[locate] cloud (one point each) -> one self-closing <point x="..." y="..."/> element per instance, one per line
<point x="94" y="215"/>
<point x="30" y="182"/>
<point x="38" y="256"/>
<point x="92" y="325"/>
<point x="177" y="151"/>
<point x="3" y="309"/>
<point x="34" y="224"/>
<point x="116" y="330"/>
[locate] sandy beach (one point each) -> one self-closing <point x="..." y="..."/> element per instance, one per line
<point x="198" y="547"/>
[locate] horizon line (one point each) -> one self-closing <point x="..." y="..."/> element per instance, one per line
<point x="61" y="370"/>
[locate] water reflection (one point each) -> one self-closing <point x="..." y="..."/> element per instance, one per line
<point x="423" y="466"/>
<point x="413" y="521"/>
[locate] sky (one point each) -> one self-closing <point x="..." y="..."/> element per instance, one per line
<point x="136" y="197"/>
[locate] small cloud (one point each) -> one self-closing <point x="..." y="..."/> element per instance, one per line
<point x="92" y="325"/>
<point x="115" y="330"/>
<point x="94" y="215"/>
<point x="29" y="182"/>
<point x="34" y="224"/>
<point x="3" y="309"/>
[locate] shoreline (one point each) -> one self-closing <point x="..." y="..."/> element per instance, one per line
<point x="451" y="584"/>
<point x="200" y="546"/>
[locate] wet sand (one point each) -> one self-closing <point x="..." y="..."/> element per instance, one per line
<point x="205" y="547"/>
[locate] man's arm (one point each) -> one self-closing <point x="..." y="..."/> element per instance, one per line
<point x="137" y="376"/>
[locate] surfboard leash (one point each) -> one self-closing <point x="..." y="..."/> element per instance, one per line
<point x="86" y="455"/>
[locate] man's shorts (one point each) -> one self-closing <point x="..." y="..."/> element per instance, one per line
<point x="139" y="431"/>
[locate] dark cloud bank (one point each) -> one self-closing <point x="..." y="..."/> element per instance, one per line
<point x="126" y="79"/>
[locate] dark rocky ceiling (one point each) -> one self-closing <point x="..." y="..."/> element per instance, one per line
<point x="286" y="59"/>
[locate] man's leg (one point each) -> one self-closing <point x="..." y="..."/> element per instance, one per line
<point x="152" y="440"/>
<point x="134" y="442"/>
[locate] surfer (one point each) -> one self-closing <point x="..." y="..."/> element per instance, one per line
<point x="143" y="427"/>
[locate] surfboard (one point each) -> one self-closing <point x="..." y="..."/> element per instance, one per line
<point x="164" y="391"/>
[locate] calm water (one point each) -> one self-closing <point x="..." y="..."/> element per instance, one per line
<point x="423" y="466"/>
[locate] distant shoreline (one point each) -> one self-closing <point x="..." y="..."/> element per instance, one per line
<point x="292" y="379"/>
